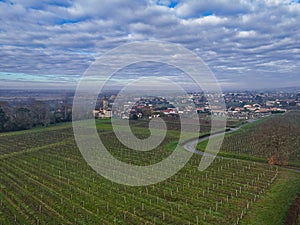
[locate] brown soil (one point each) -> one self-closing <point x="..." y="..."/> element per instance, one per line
<point x="293" y="212"/>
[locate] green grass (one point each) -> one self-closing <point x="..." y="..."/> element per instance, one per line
<point x="171" y="146"/>
<point x="272" y="208"/>
<point x="242" y="157"/>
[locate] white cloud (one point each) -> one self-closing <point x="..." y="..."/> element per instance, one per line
<point x="207" y="20"/>
<point x="246" y="34"/>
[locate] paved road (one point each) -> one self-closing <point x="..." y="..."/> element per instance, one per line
<point x="191" y="145"/>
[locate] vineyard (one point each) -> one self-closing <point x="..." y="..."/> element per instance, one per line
<point x="276" y="136"/>
<point x="45" y="180"/>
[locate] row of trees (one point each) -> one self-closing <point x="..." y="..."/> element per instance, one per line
<point x="31" y="113"/>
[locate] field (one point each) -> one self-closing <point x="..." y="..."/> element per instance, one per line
<point x="264" y="139"/>
<point x="45" y="180"/>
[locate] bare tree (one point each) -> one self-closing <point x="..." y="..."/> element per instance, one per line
<point x="22" y="119"/>
<point x="40" y="112"/>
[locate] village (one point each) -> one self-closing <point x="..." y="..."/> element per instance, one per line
<point x="238" y="106"/>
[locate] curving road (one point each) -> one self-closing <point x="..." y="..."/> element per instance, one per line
<point x="191" y="145"/>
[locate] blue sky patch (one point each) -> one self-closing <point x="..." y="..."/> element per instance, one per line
<point x="68" y="21"/>
<point x="173" y="4"/>
<point x="208" y="13"/>
<point x="170" y="4"/>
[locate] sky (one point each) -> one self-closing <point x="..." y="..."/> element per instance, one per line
<point x="248" y="44"/>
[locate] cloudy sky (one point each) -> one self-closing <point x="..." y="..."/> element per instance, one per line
<point x="246" y="43"/>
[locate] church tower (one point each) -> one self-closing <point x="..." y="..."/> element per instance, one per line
<point x="105" y="103"/>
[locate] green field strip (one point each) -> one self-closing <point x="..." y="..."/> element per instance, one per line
<point x="13" y="154"/>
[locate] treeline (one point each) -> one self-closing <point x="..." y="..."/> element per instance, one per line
<point x="32" y="113"/>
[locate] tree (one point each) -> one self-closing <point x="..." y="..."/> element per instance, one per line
<point x="24" y="115"/>
<point x="134" y="117"/>
<point x="7" y="116"/>
<point x="40" y="112"/>
<point x="3" y="120"/>
<point x="146" y="111"/>
<point x="23" y="119"/>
